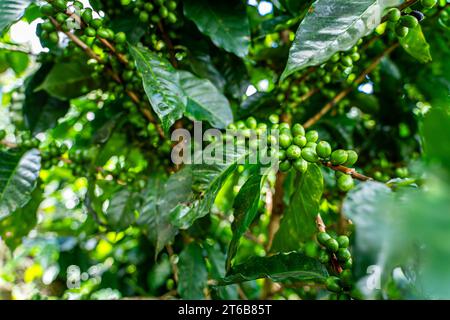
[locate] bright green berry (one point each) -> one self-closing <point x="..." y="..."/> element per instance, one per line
<point x="343" y="254"/>
<point x="312" y="136"/>
<point x="310" y="155"/>
<point x="60" y="5"/>
<point x="143" y="16"/>
<point x="401" y="31"/>
<point x="47" y="10"/>
<point x="163" y="12"/>
<point x="346" y="61"/>
<point x="90" y="32"/>
<point x="409" y="21"/>
<point x="285" y="126"/>
<point x="352" y="157"/>
<point x="394" y="15"/>
<point x="323" y="237"/>
<point x="172" y="5"/>
<point x="323" y="257"/>
<point x="274" y="118"/>
<point x="281" y="154"/>
<point x="401" y="172"/>
<point x="332" y="245"/>
<point x="293" y="152"/>
<point x="285" y="140"/>
<point x="300" y="141"/>
<point x="343" y="241"/>
<point x="298" y="130"/>
<point x="120" y="37"/>
<point x="96" y="23"/>
<point x="285" y="166"/>
<point x="300" y="165"/>
<point x="323" y="149"/>
<point x="345" y="183"/>
<point x="149" y="7"/>
<point x="251" y="123"/>
<point x="333" y="284"/>
<point x="348" y="264"/>
<point x="47" y="26"/>
<point x="61" y="17"/>
<point x="338" y="157"/>
<point x="346" y="277"/>
<point x="311" y="145"/>
<point x="53" y="37"/>
<point x="87" y="15"/>
<point x="103" y="33"/>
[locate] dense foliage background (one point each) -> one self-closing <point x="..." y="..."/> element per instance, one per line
<point x="91" y="206"/>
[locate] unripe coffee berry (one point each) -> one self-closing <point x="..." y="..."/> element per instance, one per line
<point x="300" y="141"/>
<point x="323" y="149"/>
<point x="333" y="284"/>
<point x="310" y="155"/>
<point x="285" y="140"/>
<point x="343" y="241"/>
<point x="332" y="245"/>
<point x="298" y="130"/>
<point x="345" y="183"/>
<point x="343" y="254"/>
<point x="293" y="152"/>
<point x="338" y="157"/>
<point x="251" y="123"/>
<point x="285" y="166"/>
<point x="312" y="136"/>
<point x="352" y="157"/>
<point x="409" y="21"/>
<point x="323" y="237"/>
<point x="394" y="15"/>
<point x="300" y="165"/>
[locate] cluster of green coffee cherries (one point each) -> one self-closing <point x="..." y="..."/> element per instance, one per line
<point x="402" y="23"/>
<point x="337" y="248"/>
<point x="153" y="11"/>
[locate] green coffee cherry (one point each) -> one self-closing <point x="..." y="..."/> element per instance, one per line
<point x="345" y="183"/>
<point x="172" y="17"/>
<point x="343" y="254"/>
<point x="143" y="16"/>
<point x="355" y="56"/>
<point x="394" y="15"/>
<point x="90" y="32"/>
<point x="274" y="118"/>
<point x="311" y="249"/>
<point x="409" y="21"/>
<point x="332" y="245"/>
<point x="338" y="157"/>
<point x="155" y="18"/>
<point x="323" y="149"/>
<point x="401" y="31"/>
<point x="348" y="264"/>
<point x="87" y="15"/>
<point x="120" y="37"/>
<point x="428" y="3"/>
<point x="285" y="131"/>
<point x="323" y="237"/>
<point x="285" y="126"/>
<point x="401" y="172"/>
<point x="61" y="17"/>
<point x="53" y="37"/>
<point x="240" y="125"/>
<point x="251" y="123"/>
<point x="149" y="7"/>
<point x="312" y="136"/>
<point x="343" y="241"/>
<point x="281" y="154"/>
<point x="311" y="145"/>
<point x="103" y="33"/>
<point x="78" y="5"/>
<point x="333" y="284"/>
<point x="352" y="157"/>
<point x="47" y="10"/>
<point x="172" y="5"/>
<point x="298" y="130"/>
<point x="293" y="152"/>
<point x="60" y="5"/>
<point x="323" y="257"/>
<point x="346" y="61"/>
<point x="285" y="140"/>
<point x="300" y="165"/>
<point x="346" y="277"/>
<point x="163" y="12"/>
<point x="300" y="141"/>
<point x="285" y="166"/>
<point x="47" y="26"/>
<point x="310" y="155"/>
<point x="96" y="23"/>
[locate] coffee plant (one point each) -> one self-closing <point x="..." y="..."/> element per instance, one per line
<point x="196" y="149"/>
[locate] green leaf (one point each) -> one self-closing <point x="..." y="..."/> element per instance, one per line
<point x="205" y="102"/>
<point x="298" y="222"/>
<point x="21" y="221"/>
<point x="245" y="210"/>
<point x="224" y="22"/>
<point x="11" y="11"/>
<point x="193" y="275"/>
<point x="331" y="26"/>
<point x="68" y="80"/>
<point x="279" y="267"/>
<point x="121" y="212"/>
<point x="18" y="61"/>
<point x="41" y="111"/>
<point x="18" y="176"/>
<point x="435" y="126"/>
<point x="416" y="45"/>
<point x="161" y="200"/>
<point x="208" y="177"/>
<point x="162" y="85"/>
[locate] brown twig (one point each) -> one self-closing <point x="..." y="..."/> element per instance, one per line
<point x="350" y="171"/>
<point x="322" y="228"/>
<point x="349" y="89"/>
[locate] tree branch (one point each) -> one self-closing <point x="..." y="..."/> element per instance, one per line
<point x="349" y="89"/>
<point x="350" y="171"/>
<point x="321" y="227"/>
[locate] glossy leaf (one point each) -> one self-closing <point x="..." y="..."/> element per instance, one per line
<point x="11" y="11"/>
<point x="279" y="267"/>
<point x="41" y="111"/>
<point x="18" y="61"/>
<point x="193" y="275"/>
<point x="205" y="102"/>
<point x="298" y="222"/>
<point x="416" y="45"/>
<point x="17" y="225"/>
<point x="18" y="176"/>
<point x="162" y="85"/>
<point x="226" y="23"/>
<point x="68" y="80"/>
<point x="331" y="26"/>
<point x="121" y="212"/>
<point x="245" y="210"/>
